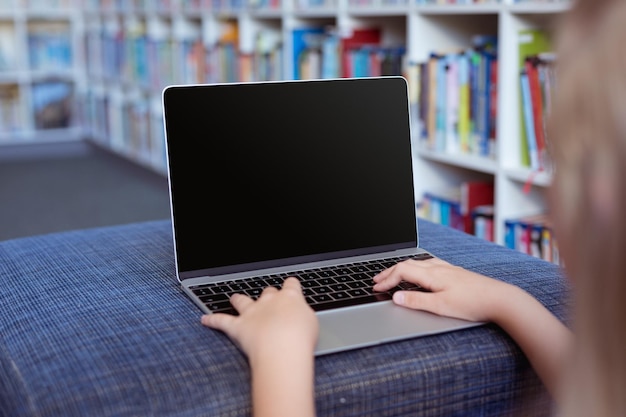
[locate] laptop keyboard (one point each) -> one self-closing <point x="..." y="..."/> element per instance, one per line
<point x="323" y="288"/>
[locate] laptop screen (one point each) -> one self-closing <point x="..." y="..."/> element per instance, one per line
<point x="277" y="172"/>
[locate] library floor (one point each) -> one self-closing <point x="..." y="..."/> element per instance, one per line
<point x="65" y="186"/>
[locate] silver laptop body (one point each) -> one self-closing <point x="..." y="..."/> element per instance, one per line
<point x="270" y="178"/>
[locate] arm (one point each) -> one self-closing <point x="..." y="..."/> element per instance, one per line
<point x="278" y="333"/>
<point x="459" y="293"/>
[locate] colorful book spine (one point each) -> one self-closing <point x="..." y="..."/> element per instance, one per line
<point x="464" y="101"/>
<point x="529" y="122"/>
<point x="532" y="235"/>
<point x="536" y="101"/>
<point x="303" y="41"/>
<point x="431" y="102"/>
<point x="440" y="105"/>
<point x="455" y="207"/>
<point x="452" y="105"/>
<point x="530" y="42"/>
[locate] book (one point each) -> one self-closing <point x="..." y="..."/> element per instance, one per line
<point x="455" y="206"/>
<point x="530" y="42"/>
<point x="10" y="114"/>
<point x="413" y="76"/>
<point x="422" y="103"/>
<point x="536" y="102"/>
<point x="331" y="65"/>
<point x="52" y="104"/>
<point x="532" y="235"/>
<point x="529" y="124"/>
<point x="303" y="41"/>
<point x="443" y="207"/>
<point x="431" y="116"/>
<point x="464" y="100"/>
<point x="268" y="56"/>
<point x="49" y="45"/>
<point x="474" y="194"/>
<point x="487" y="88"/>
<point x="452" y="144"/>
<point x="7" y="47"/>
<point x="441" y="104"/>
<point x="483" y="222"/>
<point x="357" y="38"/>
<point x="159" y="54"/>
<point x="493" y="108"/>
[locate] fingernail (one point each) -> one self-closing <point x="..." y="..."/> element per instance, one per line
<point x="398" y="298"/>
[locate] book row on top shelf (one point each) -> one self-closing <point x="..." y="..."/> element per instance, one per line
<point x="36" y="4"/>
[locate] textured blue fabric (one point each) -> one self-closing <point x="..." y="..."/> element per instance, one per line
<point x="94" y="324"/>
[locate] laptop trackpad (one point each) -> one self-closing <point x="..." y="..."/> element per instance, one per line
<point x="377" y="323"/>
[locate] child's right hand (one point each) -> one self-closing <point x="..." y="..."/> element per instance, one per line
<point x="454" y="291"/>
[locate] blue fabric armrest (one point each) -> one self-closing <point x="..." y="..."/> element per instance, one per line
<point x="94" y="324"/>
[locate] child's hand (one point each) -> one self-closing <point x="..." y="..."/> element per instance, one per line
<point x="278" y="320"/>
<point x="455" y="292"/>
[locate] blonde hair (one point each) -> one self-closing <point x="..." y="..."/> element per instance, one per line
<point x="587" y="131"/>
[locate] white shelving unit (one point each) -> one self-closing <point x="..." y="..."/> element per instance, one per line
<point x="193" y="41"/>
<point x="40" y="55"/>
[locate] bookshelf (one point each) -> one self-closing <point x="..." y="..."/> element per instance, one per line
<point x="39" y="71"/>
<point x="131" y="49"/>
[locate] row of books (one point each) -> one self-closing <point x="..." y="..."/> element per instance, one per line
<point x="130" y="126"/>
<point x="456" y="207"/>
<point x="132" y="6"/>
<point x="153" y="62"/>
<point x="312" y="4"/>
<point x="7" y="47"/>
<point x="457" y="99"/>
<point x="319" y="52"/>
<point x="50" y="45"/>
<point x="469" y="208"/>
<point x="197" y="5"/>
<point x="38" y="4"/>
<point x="532" y="235"/>
<point x="377" y="3"/>
<point x="11" y="120"/>
<point x="52" y="106"/>
<point x="156" y="61"/>
<point x="458" y="1"/>
<point x="537" y="83"/>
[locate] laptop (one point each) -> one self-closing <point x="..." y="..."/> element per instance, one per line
<point x="311" y="179"/>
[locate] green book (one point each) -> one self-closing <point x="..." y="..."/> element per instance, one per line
<point x="530" y="42"/>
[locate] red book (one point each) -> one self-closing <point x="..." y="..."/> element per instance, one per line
<point x="358" y="38"/>
<point x="474" y="194"/>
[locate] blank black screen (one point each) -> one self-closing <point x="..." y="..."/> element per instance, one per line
<point x="262" y="171"/>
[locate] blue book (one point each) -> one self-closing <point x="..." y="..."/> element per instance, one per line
<point x="330" y="56"/>
<point x="304" y="38"/>
<point x="360" y="61"/>
<point x="509" y="233"/>
<point x="484" y="148"/>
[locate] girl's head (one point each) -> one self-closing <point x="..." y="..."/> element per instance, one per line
<point x="587" y="134"/>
